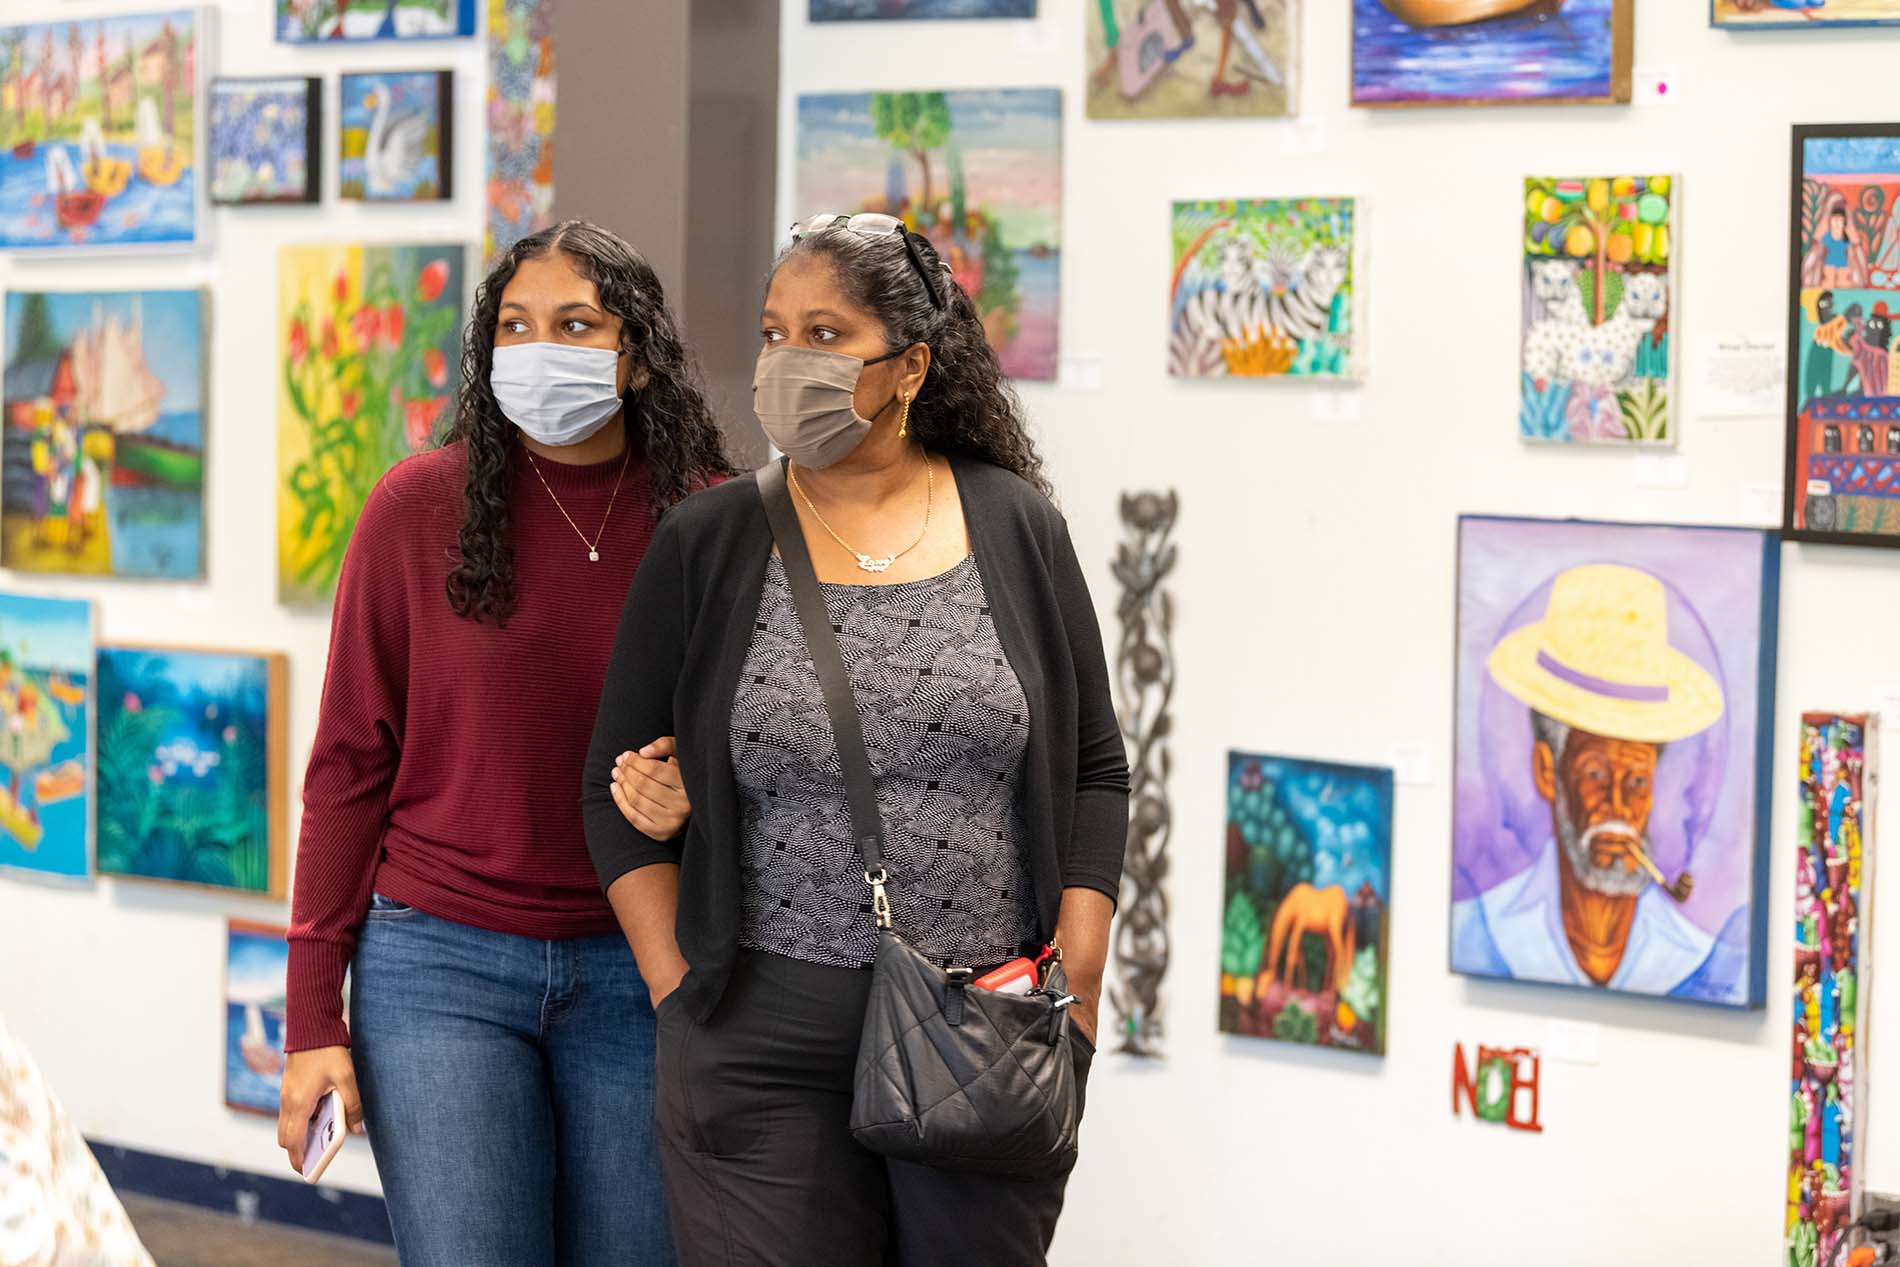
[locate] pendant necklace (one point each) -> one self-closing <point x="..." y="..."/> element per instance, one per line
<point x="877" y="563"/>
<point x="593" y="547"/>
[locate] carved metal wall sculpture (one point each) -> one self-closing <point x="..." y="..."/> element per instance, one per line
<point x="1144" y="667"/>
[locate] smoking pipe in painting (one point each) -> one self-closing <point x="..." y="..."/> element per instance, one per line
<point x="1460" y="12"/>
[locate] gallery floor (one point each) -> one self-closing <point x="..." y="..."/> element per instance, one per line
<point x="187" y="1236"/>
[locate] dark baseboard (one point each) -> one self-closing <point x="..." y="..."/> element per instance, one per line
<point x="264" y="1197"/>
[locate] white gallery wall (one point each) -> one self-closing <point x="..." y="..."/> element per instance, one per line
<point x="1315" y="618"/>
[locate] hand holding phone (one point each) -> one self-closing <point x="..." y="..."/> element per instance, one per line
<point x="323" y="1137"/>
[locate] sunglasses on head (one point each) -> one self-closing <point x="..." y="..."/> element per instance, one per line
<point x="876" y="224"/>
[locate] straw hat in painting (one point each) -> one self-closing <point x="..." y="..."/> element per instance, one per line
<point x="1600" y="660"/>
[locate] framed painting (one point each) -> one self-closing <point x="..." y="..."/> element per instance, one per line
<point x="104" y="443"/>
<point x="1834" y="855"/>
<point x="1265" y="288"/>
<point x="1598" y="295"/>
<point x="1842" y="482"/>
<point x="193" y="767"/>
<point x="1492" y="52"/>
<point x="266" y="135"/>
<point x="1166" y="59"/>
<point x="325" y="21"/>
<point x="1756" y="15"/>
<point x="1613" y="756"/>
<point x="395" y="142"/>
<point x="897" y="10"/>
<point x="99" y="135"/>
<point x="1304" y="915"/>
<point x="256" y="976"/>
<point x="520" y="122"/>
<point x="368" y="338"/>
<point x="979" y="173"/>
<point x="46" y="673"/>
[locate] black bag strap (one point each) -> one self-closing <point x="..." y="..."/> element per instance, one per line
<point x="822" y="641"/>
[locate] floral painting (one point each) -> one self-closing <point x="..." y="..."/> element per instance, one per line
<point x="520" y="121"/>
<point x="1263" y="288"/>
<point x="46" y="671"/>
<point x="192" y="776"/>
<point x="309" y="21"/>
<point x="264" y="138"/>
<point x="368" y="341"/>
<point x="99" y="132"/>
<point x="1598" y="299"/>
<point x="396" y="136"/>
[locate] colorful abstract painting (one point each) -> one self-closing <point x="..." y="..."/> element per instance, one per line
<point x="1812" y="14"/>
<point x="1165" y="59"/>
<point x="520" y="121"/>
<point x="104" y="442"/>
<point x="1263" y="288"/>
<point x="311" y="21"/>
<point x="1612" y="757"/>
<point x="265" y="135"/>
<point x="1309" y="885"/>
<point x="368" y="341"/>
<point x="1491" y="52"/>
<point x="395" y="142"/>
<point x="854" y="10"/>
<point x="256" y="976"/>
<point x="99" y="132"/>
<point x="979" y="173"/>
<point x="1597" y="301"/>
<point x="1842" y="482"/>
<point x="1834" y="853"/>
<point x="46" y="664"/>
<point x="192" y="777"/>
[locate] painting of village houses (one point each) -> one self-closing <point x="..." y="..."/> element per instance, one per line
<point x="103" y="447"/>
<point x="98" y="128"/>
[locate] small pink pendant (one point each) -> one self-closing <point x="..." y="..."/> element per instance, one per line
<point x="593" y="556"/>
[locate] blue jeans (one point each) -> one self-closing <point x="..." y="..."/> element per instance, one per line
<point x="508" y="1094"/>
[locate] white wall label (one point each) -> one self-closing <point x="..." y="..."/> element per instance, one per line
<point x="1761" y="504"/>
<point x="1573" y="1042"/>
<point x="1741" y="376"/>
<point x="1412" y="764"/>
<point x="1080" y="371"/>
<point x="1662" y="470"/>
<point x="1335" y="406"/>
<point x="1657" y="86"/>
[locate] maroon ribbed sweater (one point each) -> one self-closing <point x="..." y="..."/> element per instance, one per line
<point x="446" y="770"/>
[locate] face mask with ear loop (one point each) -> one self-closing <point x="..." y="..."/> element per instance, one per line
<point x="803" y="397"/>
<point x="557" y="394"/>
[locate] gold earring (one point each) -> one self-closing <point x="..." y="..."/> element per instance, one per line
<point x="903" y="428"/>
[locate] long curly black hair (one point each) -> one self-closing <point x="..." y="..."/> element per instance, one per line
<point x="667" y="416"/>
<point x="966" y="405"/>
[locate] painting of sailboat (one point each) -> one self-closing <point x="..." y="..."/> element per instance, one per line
<point x="256" y="967"/>
<point x="98" y="129"/>
<point x="45" y="734"/>
<point x="102" y="449"/>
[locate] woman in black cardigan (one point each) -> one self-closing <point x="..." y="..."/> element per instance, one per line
<point x="977" y="665"/>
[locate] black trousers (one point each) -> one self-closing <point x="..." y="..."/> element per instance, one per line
<point x="760" y="1166"/>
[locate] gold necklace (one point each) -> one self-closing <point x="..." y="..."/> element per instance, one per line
<point x="873" y="563"/>
<point x="593" y="547"/>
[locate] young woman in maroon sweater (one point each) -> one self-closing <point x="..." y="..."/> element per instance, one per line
<point x="500" y="1032"/>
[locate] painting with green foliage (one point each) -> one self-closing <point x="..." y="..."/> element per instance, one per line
<point x="191" y="767"/>
<point x="979" y="173"/>
<point x="1309" y="876"/>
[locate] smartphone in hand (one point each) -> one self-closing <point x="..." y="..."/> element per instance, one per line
<point x="324" y="1136"/>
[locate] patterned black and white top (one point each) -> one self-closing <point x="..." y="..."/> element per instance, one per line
<point x="945" y="723"/>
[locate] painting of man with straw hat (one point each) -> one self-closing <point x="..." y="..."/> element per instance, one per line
<point x="1606" y="826"/>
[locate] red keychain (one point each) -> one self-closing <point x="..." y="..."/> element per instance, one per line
<point x="1019" y="976"/>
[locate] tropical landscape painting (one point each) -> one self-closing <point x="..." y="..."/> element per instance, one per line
<point x="256" y="977"/>
<point x="98" y="129"/>
<point x="45" y="734"/>
<point x="395" y="136"/>
<point x="104" y="440"/>
<point x="304" y="21"/>
<point x="1491" y="52"/>
<point x="192" y="772"/>
<point x="1263" y="288"/>
<point x="367" y="338"/>
<point x="264" y="138"/>
<point x="979" y="173"/>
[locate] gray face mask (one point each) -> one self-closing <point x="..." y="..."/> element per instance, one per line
<point x="803" y="399"/>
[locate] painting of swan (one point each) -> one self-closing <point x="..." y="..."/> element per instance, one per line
<point x="395" y="136"/>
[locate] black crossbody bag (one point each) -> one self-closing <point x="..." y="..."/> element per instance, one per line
<point x="948" y="1074"/>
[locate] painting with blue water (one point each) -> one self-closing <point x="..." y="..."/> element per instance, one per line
<point x="1491" y="52"/>
<point x="323" y="21"/>
<point x="46" y="659"/>
<point x="1808" y="14"/>
<point x="99" y="132"/>
<point x="264" y="136"/>
<point x="855" y="10"/>
<point x="256" y="967"/>
<point x="394" y="136"/>
<point x="102" y="457"/>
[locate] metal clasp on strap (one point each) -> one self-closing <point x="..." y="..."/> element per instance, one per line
<point x="880" y="902"/>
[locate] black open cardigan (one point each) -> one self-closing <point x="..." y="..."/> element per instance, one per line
<point x="683" y="640"/>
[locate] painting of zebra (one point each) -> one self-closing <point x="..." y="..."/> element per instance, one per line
<point x="1264" y="288"/>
